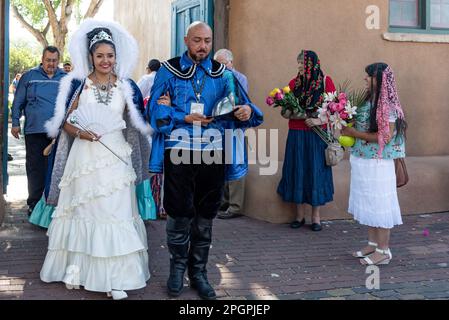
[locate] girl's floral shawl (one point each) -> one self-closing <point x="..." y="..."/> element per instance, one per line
<point x="388" y="104"/>
<point x="309" y="88"/>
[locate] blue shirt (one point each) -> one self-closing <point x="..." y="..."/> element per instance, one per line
<point x="15" y="82"/>
<point x="166" y="120"/>
<point x="242" y="79"/>
<point x="35" y="98"/>
<point x="184" y="135"/>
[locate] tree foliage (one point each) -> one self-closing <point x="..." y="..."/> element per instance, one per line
<point x="34" y="11"/>
<point x="45" y="18"/>
<point x="22" y="59"/>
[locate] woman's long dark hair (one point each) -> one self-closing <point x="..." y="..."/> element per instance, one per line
<point x="375" y="71"/>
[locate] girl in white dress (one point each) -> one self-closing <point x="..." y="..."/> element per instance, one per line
<point x="97" y="238"/>
<point x="380" y="138"/>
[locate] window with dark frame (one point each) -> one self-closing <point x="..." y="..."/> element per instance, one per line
<point x="439" y="14"/>
<point x="404" y="13"/>
<point x="419" y="16"/>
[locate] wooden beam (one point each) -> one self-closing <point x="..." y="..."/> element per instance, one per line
<point x="221" y="24"/>
<point x="2" y="99"/>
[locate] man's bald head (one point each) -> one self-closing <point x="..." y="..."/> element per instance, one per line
<point x="198" y="41"/>
<point x="198" y="25"/>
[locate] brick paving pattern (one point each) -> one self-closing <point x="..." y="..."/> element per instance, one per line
<point x="252" y="260"/>
<point x="256" y="260"/>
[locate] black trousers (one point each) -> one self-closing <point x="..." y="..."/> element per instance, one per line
<point x="36" y="166"/>
<point x="192" y="190"/>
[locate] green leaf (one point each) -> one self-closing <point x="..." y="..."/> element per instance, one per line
<point x="356" y="96"/>
<point x="22" y="58"/>
<point x="35" y="13"/>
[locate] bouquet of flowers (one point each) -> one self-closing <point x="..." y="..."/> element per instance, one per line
<point x="287" y="101"/>
<point x="338" y="110"/>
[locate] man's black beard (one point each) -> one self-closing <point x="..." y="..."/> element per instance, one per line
<point x="195" y="58"/>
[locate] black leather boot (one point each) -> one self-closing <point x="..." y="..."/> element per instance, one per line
<point x="201" y="238"/>
<point x="178" y="237"/>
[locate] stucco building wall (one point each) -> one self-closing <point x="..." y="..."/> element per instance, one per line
<point x="150" y="23"/>
<point x="266" y="37"/>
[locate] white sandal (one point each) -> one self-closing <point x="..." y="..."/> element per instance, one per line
<point x="385" y="261"/>
<point x="359" y="254"/>
<point x="117" y="294"/>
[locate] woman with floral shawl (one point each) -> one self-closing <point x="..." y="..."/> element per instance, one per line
<point x="306" y="179"/>
<point x="380" y="138"/>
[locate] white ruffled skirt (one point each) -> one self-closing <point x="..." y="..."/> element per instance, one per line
<point x="373" y="199"/>
<point x="97" y="238"/>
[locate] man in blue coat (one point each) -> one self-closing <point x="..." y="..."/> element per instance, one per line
<point x="193" y="187"/>
<point x="234" y="194"/>
<point x="35" y="98"/>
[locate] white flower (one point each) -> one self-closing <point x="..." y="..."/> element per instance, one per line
<point x="322" y="113"/>
<point x="337" y="123"/>
<point x="330" y="97"/>
<point x="350" y="110"/>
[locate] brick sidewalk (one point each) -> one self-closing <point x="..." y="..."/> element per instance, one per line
<point x="249" y="259"/>
<point x="256" y="260"/>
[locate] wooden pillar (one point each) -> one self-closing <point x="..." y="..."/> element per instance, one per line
<point x="221" y="24"/>
<point x="4" y="6"/>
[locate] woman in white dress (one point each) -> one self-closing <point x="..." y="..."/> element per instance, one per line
<point x="97" y="238"/>
<point x="380" y="138"/>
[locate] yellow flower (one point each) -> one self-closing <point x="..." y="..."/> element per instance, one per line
<point x="273" y="93"/>
<point x="287" y="90"/>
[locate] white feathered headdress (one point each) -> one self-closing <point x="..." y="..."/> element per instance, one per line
<point x="126" y="58"/>
<point x="126" y="49"/>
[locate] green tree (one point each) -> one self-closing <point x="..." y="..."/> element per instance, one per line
<point x="22" y="58"/>
<point x="41" y="17"/>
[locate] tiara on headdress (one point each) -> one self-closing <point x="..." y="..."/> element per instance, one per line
<point x="101" y="36"/>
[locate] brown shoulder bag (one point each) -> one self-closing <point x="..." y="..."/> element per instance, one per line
<point x="401" y="172"/>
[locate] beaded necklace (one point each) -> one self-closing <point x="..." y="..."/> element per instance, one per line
<point x="103" y="93"/>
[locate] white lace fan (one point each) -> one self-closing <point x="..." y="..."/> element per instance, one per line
<point x="98" y="119"/>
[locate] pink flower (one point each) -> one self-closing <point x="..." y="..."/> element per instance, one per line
<point x="270" y="101"/>
<point x="340" y="106"/>
<point x="425" y="233"/>
<point x="344" y="115"/>
<point x="342" y="98"/>
<point x="279" y="96"/>
<point x="333" y="107"/>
